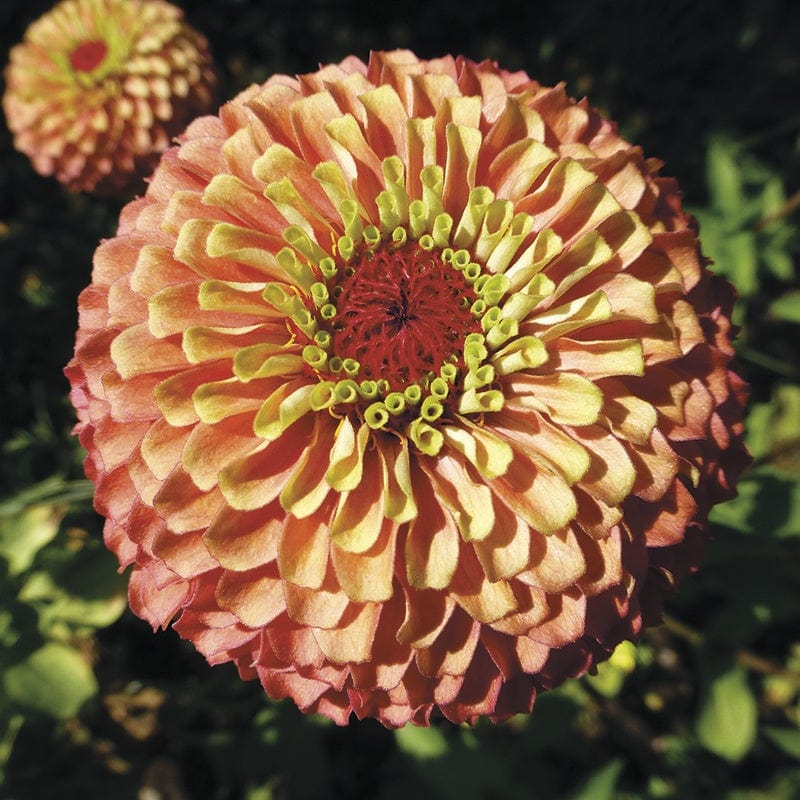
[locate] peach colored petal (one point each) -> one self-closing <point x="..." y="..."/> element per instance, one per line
<point x="358" y="519"/>
<point x="255" y="480"/>
<point x="367" y="576"/>
<point x="154" y="603"/>
<point x="566" y="620"/>
<point x="537" y="494"/>
<point x="432" y="542"/>
<point x="484" y="600"/>
<point x="426" y="614"/>
<point x="468" y="500"/>
<point x="210" y="448"/>
<point x="350" y="642"/>
<point x="452" y="651"/>
<point x="556" y="562"/>
<point x="183" y="506"/>
<point x="505" y="552"/>
<point x="255" y="597"/>
<point x="244" y="540"/>
<point x="304" y="547"/>
<point x="321" y="607"/>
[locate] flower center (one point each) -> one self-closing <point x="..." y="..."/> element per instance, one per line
<point x="401" y="314"/>
<point x="87" y="56"/>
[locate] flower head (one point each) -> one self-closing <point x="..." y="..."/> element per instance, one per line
<point x="405" y="388"/>
<point x="98" y="88"/>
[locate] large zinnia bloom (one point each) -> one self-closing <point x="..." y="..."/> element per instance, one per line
<point x="405" y="387"/>
<point x="98" y="89"/>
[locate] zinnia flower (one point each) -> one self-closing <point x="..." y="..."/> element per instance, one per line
<point x="406" y="388"/>
<point x="98" y="89"/>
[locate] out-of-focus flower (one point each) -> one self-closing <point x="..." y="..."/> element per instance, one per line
<point x="98" y="89"/>
<point x="406" y="387"/>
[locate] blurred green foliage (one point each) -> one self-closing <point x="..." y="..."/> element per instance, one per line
<point x="706" y="706"/>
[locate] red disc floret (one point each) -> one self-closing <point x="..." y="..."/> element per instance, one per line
<point x="402" y="313"/>
<point x="87" y="56"/>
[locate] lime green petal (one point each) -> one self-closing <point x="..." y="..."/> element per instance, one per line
<point x="282" y="408"/>
<point x="217" y="400"/>
<point x="301" y="241"/>
<point x="474" y="402"/>
<point x="495" y="223"/>
<point x="347" y="456"/>
<point x="468" y="226"/>
<point x="396" y="463"/>
<point x="239" y="298"/>
<point x="505" y="250"/>
<point x="574" y="315"/>
<point x="520" y="304"/>
<point x="244" y="245"/>
<point x="333" y="182"/>
<point x="421" y="137"/>
<point x="394" y="174"/>
<point x="580" y="260"/>
<point x="600" y="359"/>
<point x="534" y="258"/>
<point x="526" y="352"/>
<point x="425" y="437"/>
<point x="485" y="451"/>
<point x="463" y="145"/>
<point x="294" y="207"/>
<point x="265" y="361"/>
<point x="206" y="343"/>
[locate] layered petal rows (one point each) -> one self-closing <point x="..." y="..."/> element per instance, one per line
<point x="98" y="89"/>
<point x="406" y="388"/>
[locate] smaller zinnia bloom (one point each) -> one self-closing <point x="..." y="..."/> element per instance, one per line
<point x="98" y="89"/>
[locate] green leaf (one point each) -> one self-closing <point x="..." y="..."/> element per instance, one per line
<point x="739" y="260"/>
<point x="82" y="588"/>
<point x="727" y="721"/>
<point x="25" y="533"/>
<point x="421" y="743"/>
<point x="601" y="784"/>
<point x="758" y="429"/>
<point x="786" y="308"/>
<point x="785" y="739"/>
<point x="723" y="177"/>
<point x="778" y="261"/>
<point x="84" y="603"/>
<point x="54" y="680"/>
<point x="767" y="505"/>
